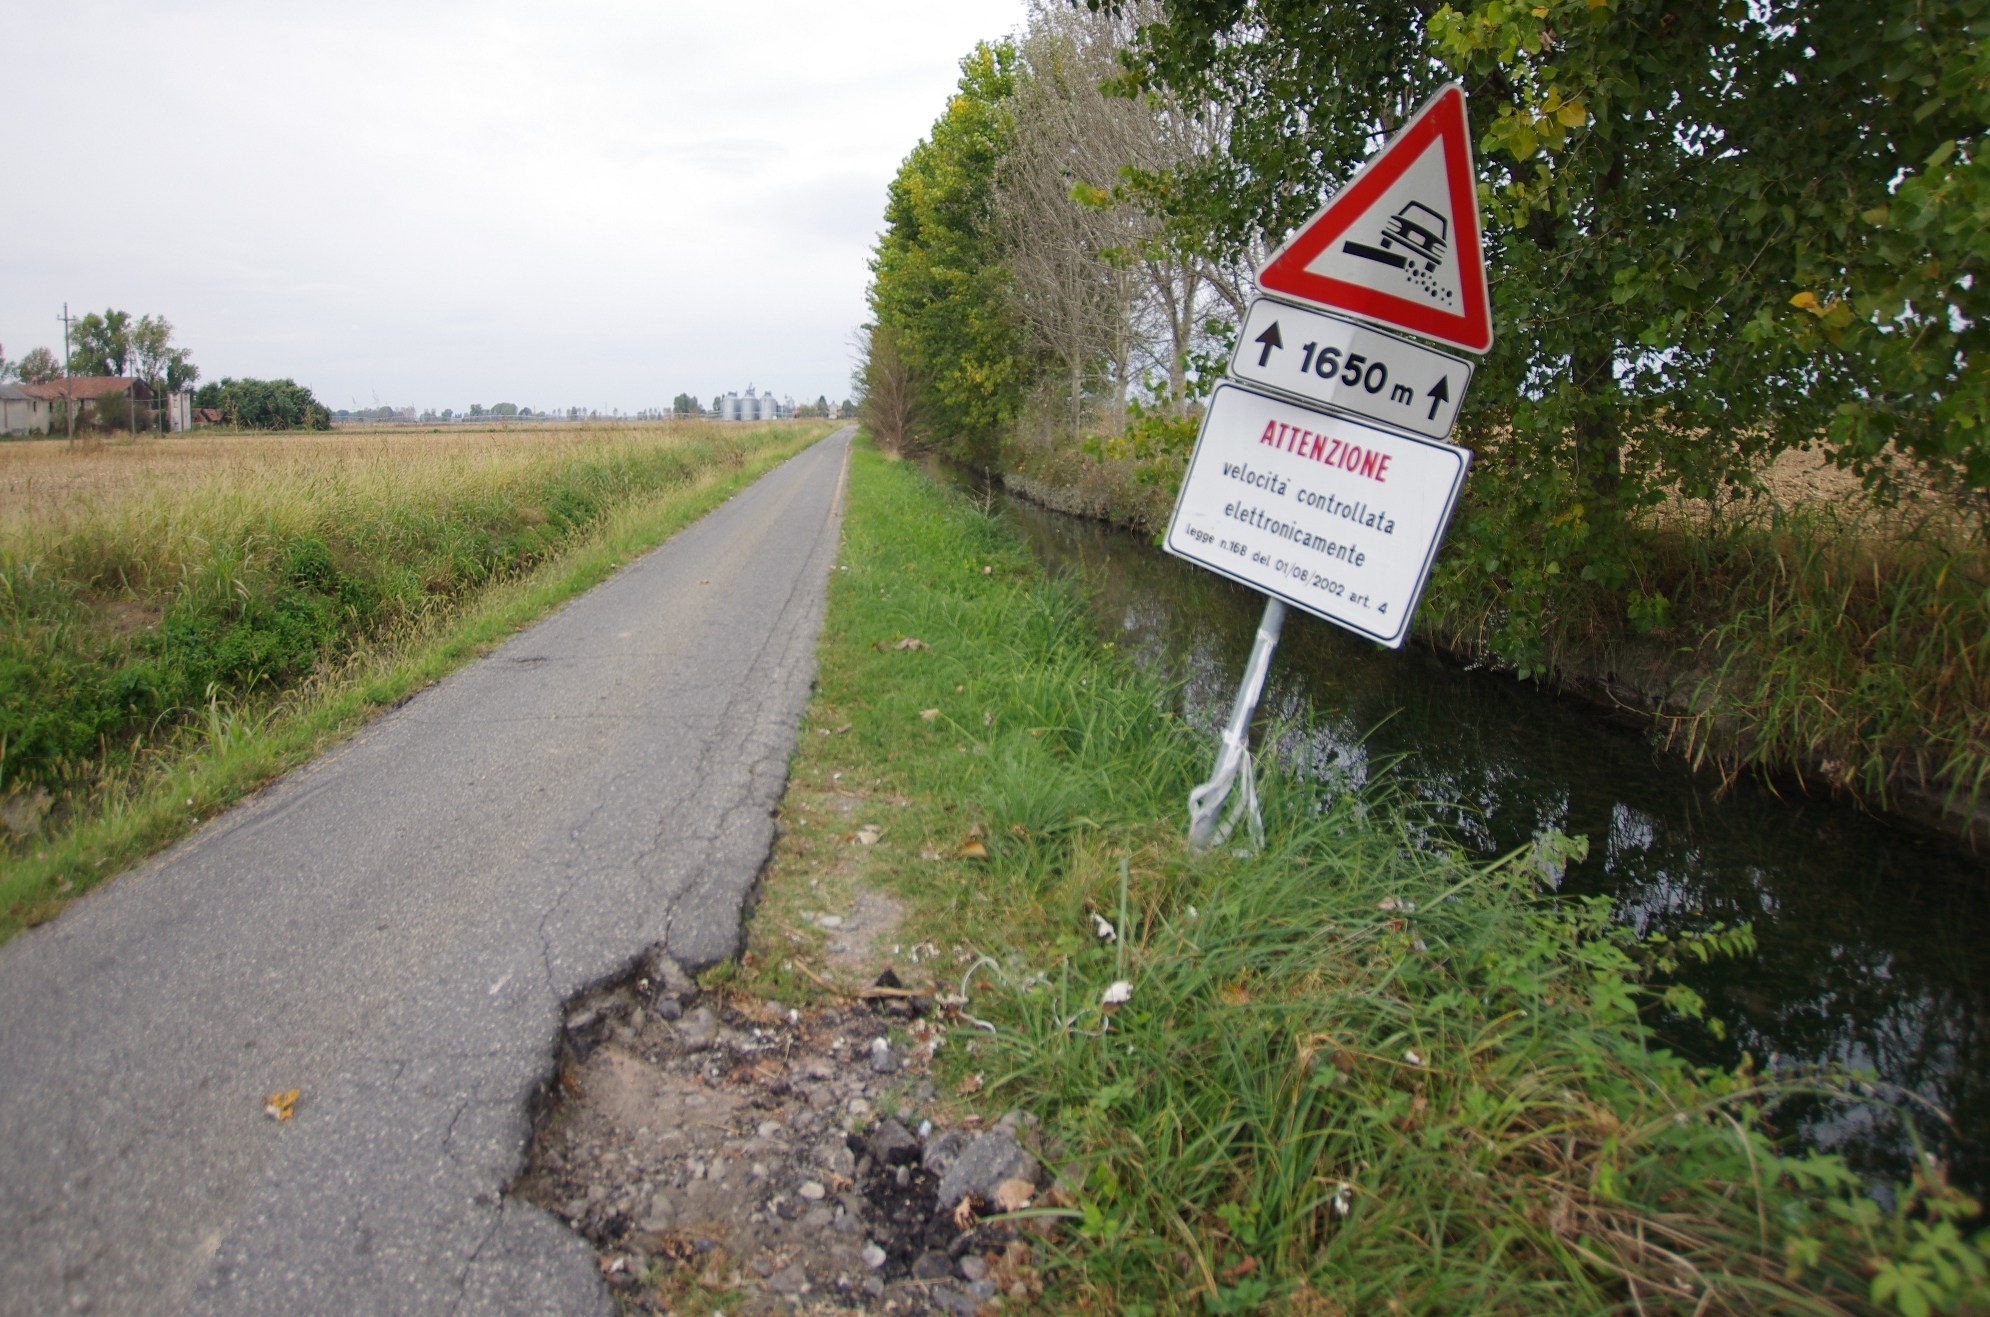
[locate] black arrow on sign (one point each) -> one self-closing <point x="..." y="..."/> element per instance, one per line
<point x="1440" y="393"/>
<point x="1270" y="339"/>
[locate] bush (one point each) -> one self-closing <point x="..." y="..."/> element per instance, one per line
<point x="265" y="405"/>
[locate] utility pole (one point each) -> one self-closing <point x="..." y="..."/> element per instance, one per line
<point x="68" y="389"/>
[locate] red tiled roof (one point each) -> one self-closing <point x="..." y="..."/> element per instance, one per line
<point x="86" y="387"/>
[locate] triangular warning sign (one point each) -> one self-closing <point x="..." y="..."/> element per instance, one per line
<point x="1399" y="244"/>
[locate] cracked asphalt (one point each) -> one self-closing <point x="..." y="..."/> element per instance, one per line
<point x="392" y="930"/>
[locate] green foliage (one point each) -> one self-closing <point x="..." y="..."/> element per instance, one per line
<point x="100" y="344"/>
<point x="1698" y="255"/>
<point x="265" y="405"/>
<point x="937" y="281"/>
<point x="40" y="366"/>
<point x="1358" y="1072"/>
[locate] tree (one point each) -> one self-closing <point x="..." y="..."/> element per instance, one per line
<point x="684" y="405"/>
<point x="101" y="344"/>
<point x="938" y="283"/>
<point x="504" y="409"/>
<point x="156" y="360"/>
<point x="1698" y="258"/>
<point x="40" y="366"/>
<point x="888" y="402"/>
<point x="265" y="405"/>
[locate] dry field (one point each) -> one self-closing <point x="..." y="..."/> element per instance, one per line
<point x="43" y="478"/>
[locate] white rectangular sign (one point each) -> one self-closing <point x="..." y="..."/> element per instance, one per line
<point x="1335" y="517"/>
<point x="1349" y="367"/>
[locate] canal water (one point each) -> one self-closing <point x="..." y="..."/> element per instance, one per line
<point x="1873" y="941"/>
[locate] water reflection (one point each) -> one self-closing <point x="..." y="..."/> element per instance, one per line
<point x="1873" y="950"/>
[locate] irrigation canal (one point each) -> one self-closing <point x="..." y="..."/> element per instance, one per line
<point x="1873" y="941"/>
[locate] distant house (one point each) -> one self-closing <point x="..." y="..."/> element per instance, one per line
<point x="207" y="416"/>
<point x="90" y="390"/>
<point x="21" y="412"/>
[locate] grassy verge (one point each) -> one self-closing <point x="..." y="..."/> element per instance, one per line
<point x="1356" y="1073"/>
<point x="284" y="598"/>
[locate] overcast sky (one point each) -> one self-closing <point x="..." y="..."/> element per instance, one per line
<point x="435" y="205"/>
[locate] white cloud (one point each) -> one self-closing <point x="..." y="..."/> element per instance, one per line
<point x="442" y="204"/>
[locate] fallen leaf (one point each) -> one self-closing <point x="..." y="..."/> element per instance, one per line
<point x="929" y="714"/>
<point x="844" y="728"/>
<point x="868" y="834"/>
<point x="903" y="642"/>
<point x="1018" y="830"/>
<point x="280" y="1106"/>
<point x="1013" y="1195"/>
<point x="976" y="830"/>
<point x="1413" y="1057"/>
<point x="1234" y="995"/>
<point x="964" y="1213"/>
<point x="1244" y="1268"/>
<point x="971" y="850"/>
<point x="972" y="1084"/>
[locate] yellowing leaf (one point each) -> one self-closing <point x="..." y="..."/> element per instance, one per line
<point x="971" y="850"/>
<point x="1806" y="301"/>
<point x="280" y="1106"/>
<point x="1013" y="1195"/>
<point x="1540" y="11"/>
<point x="1573" y="115"/>
<point x="1553" y="103"/>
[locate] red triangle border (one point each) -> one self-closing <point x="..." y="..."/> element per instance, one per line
<point x="1443" y="116"/>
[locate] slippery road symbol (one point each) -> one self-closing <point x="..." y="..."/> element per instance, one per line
<point x="1412" y="241"/>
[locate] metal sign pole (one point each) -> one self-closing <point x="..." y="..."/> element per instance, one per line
<point x="1206" y="801"/>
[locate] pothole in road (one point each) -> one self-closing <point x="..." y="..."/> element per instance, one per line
<point x="720" y="1152"/>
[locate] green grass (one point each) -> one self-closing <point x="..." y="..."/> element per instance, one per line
<point x="294" y="603"/>
<point x="1359" y="1072"/>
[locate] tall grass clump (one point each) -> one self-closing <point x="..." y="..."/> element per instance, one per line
<point x="1351" y="1071"/>
<point x="159" y="598"/>
<point x="1847" y="646"/>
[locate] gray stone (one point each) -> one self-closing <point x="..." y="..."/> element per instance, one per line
<point x="789" y="1280"/>
<point x="982" y="1289"/>
<point x="982" y="1166"/>
<point x="698" y="1030"/>
<point x="818" y="1218"/>
<point x="819" y="1067"/>
<point x="668" y="1009"/>
<point x="974" y="1267"/>
<point x="891" y="1144"/>
<point x="874" y="1257"/>
<point x="836" y="1155"/>
<point x="882" y="1061"/>
<point x="873" y="1287"/>
<point x="811" y="1191"/>
<point x="953" y="1301"/>
<point x="942" y="1150"/>
<point x="932" y="1266"/>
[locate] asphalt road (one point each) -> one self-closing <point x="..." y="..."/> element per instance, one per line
<point x="392" y="930"/>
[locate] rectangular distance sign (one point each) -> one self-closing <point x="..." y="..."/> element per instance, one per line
<point x="1333" y="516"/>
<point x="1350" y="367"/>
